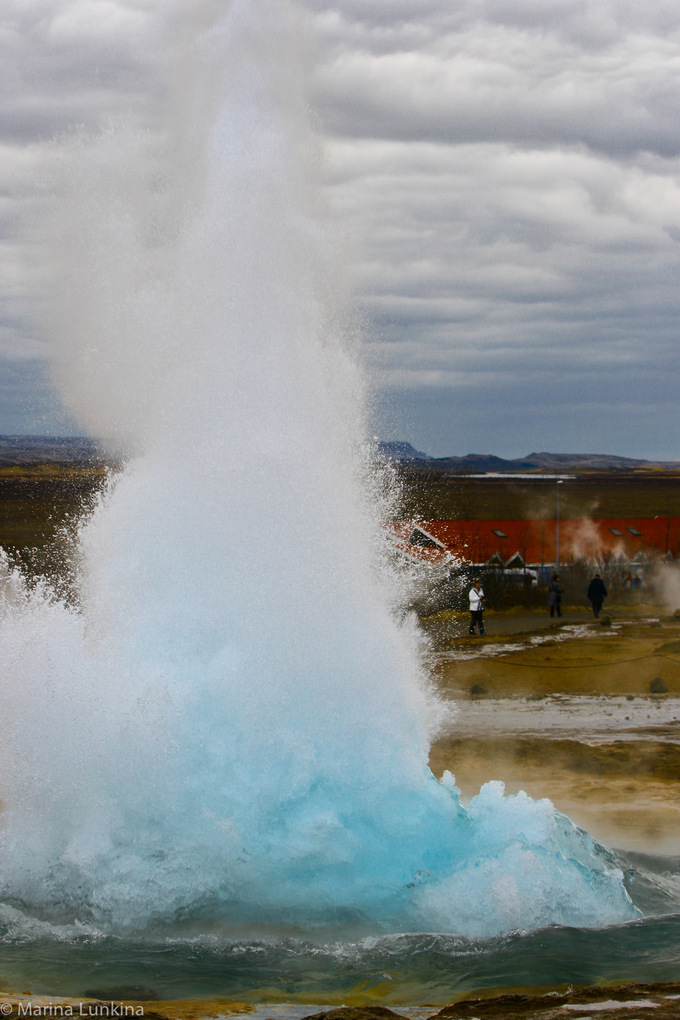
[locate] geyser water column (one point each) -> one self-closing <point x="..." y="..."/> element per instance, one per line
<point x="232" y="726"/>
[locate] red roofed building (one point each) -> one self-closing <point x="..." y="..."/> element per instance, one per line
<point x="522" y="542"/>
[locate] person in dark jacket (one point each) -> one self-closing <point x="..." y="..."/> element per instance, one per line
<point x="597" y="593"/>
<point x="555" y="596"/>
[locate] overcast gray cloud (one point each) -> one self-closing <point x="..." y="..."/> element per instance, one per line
<point x="508" y="174"/>
<point x="504" y="176"/>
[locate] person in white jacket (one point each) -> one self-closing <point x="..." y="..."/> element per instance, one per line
<point x="477" y="607"/>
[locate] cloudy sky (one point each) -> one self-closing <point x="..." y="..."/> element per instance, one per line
<point x="503" y="174"/>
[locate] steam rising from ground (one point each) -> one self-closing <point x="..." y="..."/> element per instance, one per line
<point x="233" y="727"/>
<point x="664" y="579"/>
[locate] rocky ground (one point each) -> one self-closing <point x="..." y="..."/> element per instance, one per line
<point x="628" y="1002"/>
<point x="622" y="1002"/>
<point x="583" y="711"/>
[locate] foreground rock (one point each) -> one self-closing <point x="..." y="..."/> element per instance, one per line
<point x="624" y="1002"/>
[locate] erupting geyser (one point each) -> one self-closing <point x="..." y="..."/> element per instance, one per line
<point x="232" y="727"/>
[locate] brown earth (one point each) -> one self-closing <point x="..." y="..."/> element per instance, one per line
<point x="618" y="1002"/>
<point x="623" y="787"/>
<point x="432" y="493"/>
<point x="625" y="1002"/>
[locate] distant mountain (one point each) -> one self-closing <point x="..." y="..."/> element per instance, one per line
<point x="26" y="450"/>
<point x="23" y="450"/>
<point x="474" y="463"/>
<point x="400" y="451"/>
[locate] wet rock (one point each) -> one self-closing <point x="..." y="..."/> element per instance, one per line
<point x="478" y="691"/>
<point x="658" y="685"/>
<point x="625" y="1002"/>
<point x="356" y="1013"/>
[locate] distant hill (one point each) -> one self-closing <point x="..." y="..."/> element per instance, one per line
<point x="400" y="451"/>
<point x="26" y="450"/>
<point x="540" y="462"/>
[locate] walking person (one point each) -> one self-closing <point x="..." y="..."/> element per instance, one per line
<point x="477" y="608"/>
<point x="596" y="593"/>
<point x="555" y="596"/>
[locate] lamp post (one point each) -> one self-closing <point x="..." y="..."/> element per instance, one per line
<point x="557" y="526"/>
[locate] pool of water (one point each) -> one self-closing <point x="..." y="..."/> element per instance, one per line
<point x="400" y="969"/>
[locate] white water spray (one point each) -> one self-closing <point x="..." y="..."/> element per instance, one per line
<point x="232" y="727"/>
